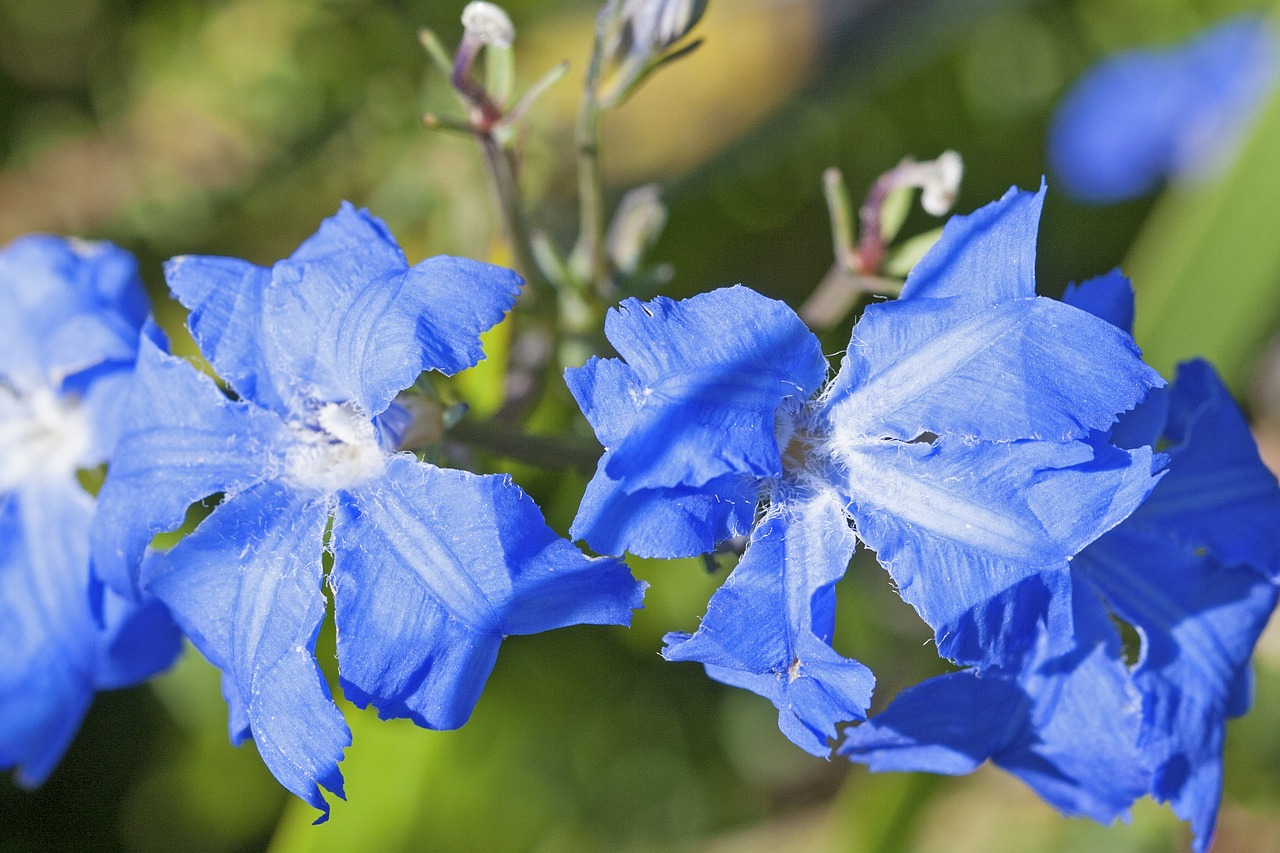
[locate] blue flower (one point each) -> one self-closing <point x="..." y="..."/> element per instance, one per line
<point x="431" y="568"/>
<point x="959" y="439"/>
<point x="1192" y="570"/>
<point x="69" y="319"/>
<point x="1146" y="115"/>
<point x="1066" y="724"/>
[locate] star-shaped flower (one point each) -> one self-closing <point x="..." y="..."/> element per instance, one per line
<point x="959" y="439"/>
<point x="69" y="319"/>
<point x="431" y="568"/>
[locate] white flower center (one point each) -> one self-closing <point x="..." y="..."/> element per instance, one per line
<point x="40" y="434"/>
<point x="338" y="451"/>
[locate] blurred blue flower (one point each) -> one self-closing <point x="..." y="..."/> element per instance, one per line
<point x="431" y="568"/>
<point x="70" y="313"/>
<point x="959" y="438"/>
<point x="1146" y="115"/>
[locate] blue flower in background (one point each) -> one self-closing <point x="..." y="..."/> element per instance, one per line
<point x="1192" y="570"/>
<point x="1142" y="116"/>
<point x="431" y="568"/>
<point x="70" y="313"/>
<point x="960" y="440"/>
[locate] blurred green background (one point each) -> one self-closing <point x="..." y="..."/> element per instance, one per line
<point x="173" y="126"/>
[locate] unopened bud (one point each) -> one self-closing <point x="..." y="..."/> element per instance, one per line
<point x="940" y="183"/>
<point x="655" y="25"/>
<point x="634" y="36"/>
<point x="488" y="24"/>
<point x="636" y="226"/>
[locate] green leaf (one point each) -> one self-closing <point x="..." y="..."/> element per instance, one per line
<point x="907" y="254"/>
<point x="1206" y="266"/>
<point x="894" y="212"/>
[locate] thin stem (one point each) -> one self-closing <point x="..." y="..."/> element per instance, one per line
<point x="840" y="209"/>
<point x="436" y="122"/>
<point x="431" y="42"/>
<point x="838" y="292"/>
<point x="591" y="194"/>
<point x="500" y="163"/>
<point x="871" y="246"/>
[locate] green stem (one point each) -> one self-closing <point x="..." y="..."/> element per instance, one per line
<point x="840" y="209"/>
<point x="500" y="163"/>
<point x="591" y="195"/>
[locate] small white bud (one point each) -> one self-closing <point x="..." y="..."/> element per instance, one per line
<point x="636" y="226"/>
<point x="488" y="24"/>
<point x="941" y="183"/>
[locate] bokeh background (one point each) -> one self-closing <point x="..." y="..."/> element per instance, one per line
<point x="233" y="127"/>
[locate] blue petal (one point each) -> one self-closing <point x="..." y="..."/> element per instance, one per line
<point x="66" y="306"/>
<point x="47" y="635"/>
<point x="610" y="395"/>
<point x="1199" y="621"/>
<point x="1144" y="115"/>
<point x="137" y="641"/>
<point x="433" y="568"/>
<point x="56" y="656"/>
<point x="663" y="523"/>
<point x="1218" y="495"/>
<point x="246" y="588"/>
<point x="678" y="521"/>
<point x="977" y="536"/>
<point x="988" y="256"/>
<point x="768" y="628"/>
<point x="344" y="319"/>
<point x="1067" y="726"/>
<point x="1081" y="754"/>
<point x="1018" y="369"/>
<point x="948" y="724"/>
<point x="103" y="395"/>
<point x="708" y="376"/>
<point x="1108" y="297"/>
<point x="183" y="441"/>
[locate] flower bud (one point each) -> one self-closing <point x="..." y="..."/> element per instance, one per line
<point x="634" y="36"/>
<point x="940" y="183"/>
<point x="649" y="27"/>
<point x="636" y="226"/>
<point x="488" y="24"/>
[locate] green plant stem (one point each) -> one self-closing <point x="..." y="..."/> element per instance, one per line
<point x="591" y="195"/>
<point x="840" y="210"/>
<point x="536" y="335"/>
<point x="838" y="293"/>
<point x="501" y="165"/>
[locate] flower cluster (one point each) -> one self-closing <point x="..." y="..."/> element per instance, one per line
<point x="988" y="444"/>
<point x="1031" y="486"/>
